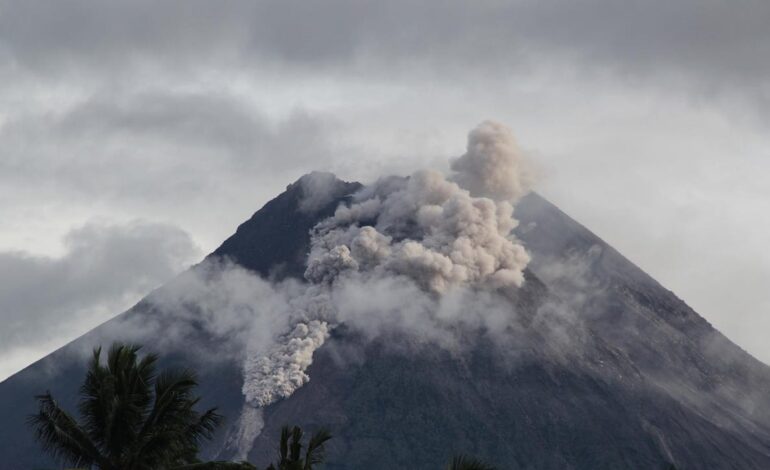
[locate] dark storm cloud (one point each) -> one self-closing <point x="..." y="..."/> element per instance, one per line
<point x="718" y="43"/>
<point x="104" y="266"/>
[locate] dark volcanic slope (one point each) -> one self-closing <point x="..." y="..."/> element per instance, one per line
<point x="275" y="240"/>
<point x="609" y="370"/>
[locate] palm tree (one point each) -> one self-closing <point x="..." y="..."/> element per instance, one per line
<point x="290" y="449"/>
<point x="132" y="418"/>
<point x="462" y="462"/>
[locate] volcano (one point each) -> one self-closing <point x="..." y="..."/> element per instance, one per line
<point x="606" y="369"/>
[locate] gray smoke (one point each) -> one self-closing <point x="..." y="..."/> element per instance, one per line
<point x="318" y="190"/>
<point x="282" y="369"/>
<point x="274" y="375"/>
<point x="422" y="255"/>
<point x="493" y="165"/>
<point x="274" y="369"/>
<point x="425" y="228"/>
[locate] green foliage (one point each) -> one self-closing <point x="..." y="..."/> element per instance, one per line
<point x="132" y="418"/>
<point x="462" y="462"/>
<point x="290" y="449"/>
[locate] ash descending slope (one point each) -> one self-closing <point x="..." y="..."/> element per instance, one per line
<point x="608" y="369"/>
<point x="272" y="243"/>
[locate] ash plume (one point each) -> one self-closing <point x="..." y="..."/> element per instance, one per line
<point x="425" y="228"/>
<point x="493" y="165"/>
<point x="434" y="252"/>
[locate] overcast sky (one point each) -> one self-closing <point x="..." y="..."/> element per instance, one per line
<point x="136" y="135"/>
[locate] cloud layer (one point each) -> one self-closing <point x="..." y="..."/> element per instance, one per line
<point x="714" y="43"/>
<point x="46" y="302"/>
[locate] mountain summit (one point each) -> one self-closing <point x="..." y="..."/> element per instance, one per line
<point x="603" y="368"/>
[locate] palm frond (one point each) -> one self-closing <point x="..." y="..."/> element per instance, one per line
<point x="173" y="427"/>
<point x="283" y="450"/>
<point x="295" y="448"/>
<point x="172" y="396"/>
<point x="315" y="448"/>
<point x="204" y="428"/>
<point x="132" y="417"/>
<point x="61" y="436"/>
<point x="463" y="462"/>
<point x="128" y="393"/>
<point x="94" y="404"/>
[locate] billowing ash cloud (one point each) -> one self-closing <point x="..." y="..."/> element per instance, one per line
<point x="438" y="232"/>
<point x="424" y="227"/>
<point x="432" y="253"/>
<point x="282" y="370"/>
<point x="275" y="375"/>
<point x="493" y="165"/>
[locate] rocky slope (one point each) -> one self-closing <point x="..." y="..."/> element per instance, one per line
<point x="606" y="369"/>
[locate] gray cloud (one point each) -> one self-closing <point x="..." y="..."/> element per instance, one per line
<point x="108" y="140"/>
<point x="715" y="43"/>
<point x="153" y="153"/>
<point x="45" y="302"/>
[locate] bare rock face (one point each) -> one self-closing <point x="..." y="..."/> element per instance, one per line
<point x="606" y="369"/>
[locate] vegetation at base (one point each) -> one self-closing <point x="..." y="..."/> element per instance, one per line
<point x="135" y="418"/>
<point x="131" y="417"/>
<point x="462" y="462"/>
<point x="290" y="447"/>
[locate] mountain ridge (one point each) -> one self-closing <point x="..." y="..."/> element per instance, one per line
<point x="544" y="411"/>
